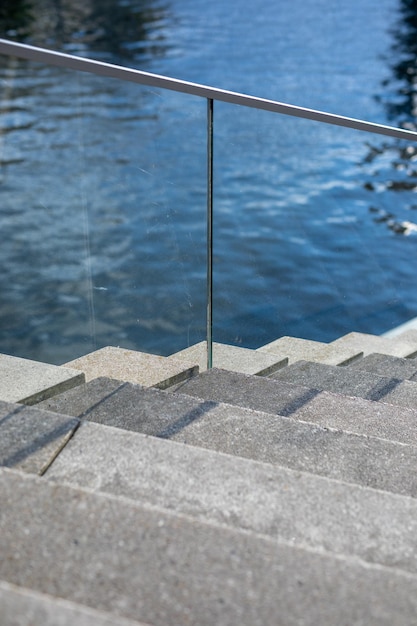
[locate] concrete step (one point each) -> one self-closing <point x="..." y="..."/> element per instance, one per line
<point x="263" y="436"/>
<point x="149" y="370"/>
<point x="296" y="349"/>
<point x="405" y="345"/>
<point x="31" y="438"/>
<point x="389" y="366"/>
<point x="24" y="607"/>
<point x="143" y="563"/>
<point x="26" y="381"/>
<point x="403" y="330"/>
<point x="329" y="410"/>
<point x="351" y="382"/>
<point x="283" y="504"/>
<point x="232" y="358"/>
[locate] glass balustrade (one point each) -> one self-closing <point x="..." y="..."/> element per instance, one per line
<point x="103" y="213"/>
<point x="104" y="195"/>
<point x="321" y="222"/>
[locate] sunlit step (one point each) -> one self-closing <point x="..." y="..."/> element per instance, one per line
<point x="296" y="349"/>
<point x="135" y="367"/>
<point x="26" y="381"/>
<point x="232" y="358"/>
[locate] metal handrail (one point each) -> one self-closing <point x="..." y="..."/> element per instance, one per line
<point x="99" y="68"/>
<point x="109" y="70"/>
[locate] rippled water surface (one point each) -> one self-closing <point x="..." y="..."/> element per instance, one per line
<point x="103" y="189"/>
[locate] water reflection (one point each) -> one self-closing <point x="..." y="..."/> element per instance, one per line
<point x="393" y="164"/>
<point x="15" y="18"/>
<point x="401" y="88"/>
<point x="119" y="31"/>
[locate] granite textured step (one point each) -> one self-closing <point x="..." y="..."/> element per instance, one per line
<point x="296" y="349"/>
<point x="144" y="563"/>
<point x="25" y="607"/>
<point x="136" y="367"/>
<point x="405" y="345"/>
<point x="408" y="330"/>
<point x="232" y="358"/>
<point x="329" y="410"/>
<point x="351" y="382"/>
<point x="31" y="438"/>
<point x="26" y="381"/>
<point x="389" y="366"/>
<point x="268" y="437"/>
<point x="283" y="504"/>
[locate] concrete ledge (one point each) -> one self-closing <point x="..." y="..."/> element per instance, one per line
<point x="148" y="370"/>
<point x="22" y="380"/>
<point x="402" y="346"/>
<point x="304" y="349"/>
<point x="232" y="358"/>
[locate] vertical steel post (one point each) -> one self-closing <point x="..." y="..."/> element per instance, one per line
<point x="209" y="335"/>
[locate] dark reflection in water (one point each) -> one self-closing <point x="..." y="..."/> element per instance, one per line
<point x="400" y="100"/>
<point x="15" y="18"/>
<point x="110" y="29"/>
<point x="401" y="88"/>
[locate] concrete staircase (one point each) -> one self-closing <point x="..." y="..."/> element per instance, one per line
<point x="279" y="487"/>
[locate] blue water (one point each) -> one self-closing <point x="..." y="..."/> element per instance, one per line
<point x="102" y="183"/>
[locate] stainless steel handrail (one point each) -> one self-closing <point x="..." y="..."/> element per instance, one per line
<point x="99" y="68"/>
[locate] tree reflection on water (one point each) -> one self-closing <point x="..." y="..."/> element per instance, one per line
<point x="393" y="164"/>
<point x="119" y="31"/>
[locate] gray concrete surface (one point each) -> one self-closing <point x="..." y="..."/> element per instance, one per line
<point x="388" y="366"/>
<point x="135" y="367"/>
<point x="24" y="607"/>
<point x="232" y="358"/>
<point x="304" y="349"/>
<point x="144" y="563"/>
<point x="351" y="381"/>
<point x="131" y="407"/>
<point x="31" y="438"/>
<point x="252" y="434"/>
<point x="404" y="345"/>
<point x="283" y="504"/>
<point x="22" y="380"/>
<point x="351" y="414"/>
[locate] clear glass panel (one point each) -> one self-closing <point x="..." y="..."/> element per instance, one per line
<point x="315" y="234"/>
<point x="102" y="212"/>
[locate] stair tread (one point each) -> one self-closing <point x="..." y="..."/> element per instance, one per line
<point x="283" y="504"/>
<point x="305" y="349"/>
<point x="23" y="380"/>
<point x="352" y="414"/>
<point x="264" y="436"/>
<point x="232" y="358"/>
<point x="30" y="438"/>
<point x="146" y="564"/>
<point x="404" y="346"/>
<point x="351" y="382"/>
<point x="387" y="365"/>
<point x="24" y="607"/>
<point x="134" y="366"/>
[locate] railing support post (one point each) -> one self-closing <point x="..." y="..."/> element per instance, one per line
<point x="209" y="336"/>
